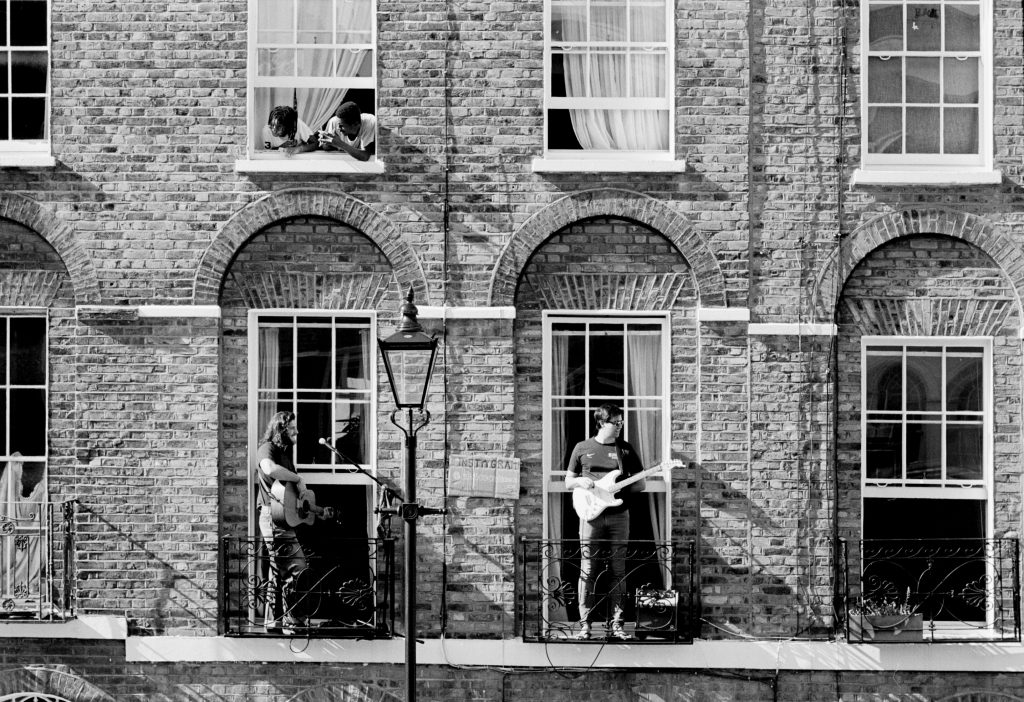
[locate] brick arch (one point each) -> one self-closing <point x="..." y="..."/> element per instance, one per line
<point x="345" y="692"/>
<point x="623" y="204"/>
<point x="306" y="202"/>
<point x="29" y="213"/>
<point x="967" y="227"/>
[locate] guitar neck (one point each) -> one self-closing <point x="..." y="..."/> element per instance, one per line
<point x="642" y="474"/>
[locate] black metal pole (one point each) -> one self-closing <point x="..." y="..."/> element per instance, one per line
<point x="410" y="563"/>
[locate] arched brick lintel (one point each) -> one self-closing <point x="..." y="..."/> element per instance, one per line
<point x="967" y="227"/>
<point x="306" y="202"/>
<point x="29" y="213"/>
<point x="624" y="204"/>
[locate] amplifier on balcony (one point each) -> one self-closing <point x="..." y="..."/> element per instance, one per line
<point x="657" y="613"/>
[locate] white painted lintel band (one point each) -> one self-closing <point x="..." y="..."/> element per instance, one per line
<point x="446" y="312"/>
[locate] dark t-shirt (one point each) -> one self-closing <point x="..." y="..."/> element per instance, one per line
<point x="595" y="460"/>
<point x="280" y="456"/>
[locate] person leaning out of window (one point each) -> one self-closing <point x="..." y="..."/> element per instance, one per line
<point x="351" y="131"/>
<point x="284" y="131"/>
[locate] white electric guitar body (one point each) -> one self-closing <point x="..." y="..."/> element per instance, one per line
<point x="589" y="503"/>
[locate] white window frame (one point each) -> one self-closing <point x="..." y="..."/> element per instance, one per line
<point x="29" y="153"/>
<point x="554" y="474"/>
<point x="583" y="160"/>
<point x="980" y="490"/>
<point x="934" y="169"/>
<point x="259" y="160"/>
<point x="320" y="474"/>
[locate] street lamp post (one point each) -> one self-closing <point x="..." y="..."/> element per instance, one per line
<point x="409" y="360"/>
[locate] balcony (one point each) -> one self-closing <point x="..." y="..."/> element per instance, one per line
<point x="910" y="591"/>
<point x="37" y="562"/>
<point x="347" y="589"/>
<point x="659" y="605"/>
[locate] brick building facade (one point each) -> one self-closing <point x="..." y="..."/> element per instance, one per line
<point x="820" y="321"/>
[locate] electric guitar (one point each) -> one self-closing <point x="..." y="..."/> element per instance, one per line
<point x="290" y="508"/>
<point x="589" y="503"/>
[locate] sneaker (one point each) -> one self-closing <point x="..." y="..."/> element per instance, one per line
<point x="272" y="627"/>
<point x="293" y="626"/>
<point x="619" y="633"/>
<point x="584" y="633"/>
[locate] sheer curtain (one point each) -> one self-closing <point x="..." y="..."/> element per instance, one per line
<point x="556" y="500"/>
<point x="609" y="74"/>
<point x="269" y="376"/>
<point x="644" y="355"/>
<point x="21" y="567"/>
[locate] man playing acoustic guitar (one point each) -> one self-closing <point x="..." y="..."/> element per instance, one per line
<point x="274" y="457"/>
<point x="590" y="461"/>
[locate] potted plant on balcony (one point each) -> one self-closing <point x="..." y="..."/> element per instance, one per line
<point x="886" y="619"/>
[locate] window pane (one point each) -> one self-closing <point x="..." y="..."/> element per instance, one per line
<point x="964" y="452"/>
<point x="316" y="62"/>
<point x="276" y="62"/>
<point x="922" y="130"/>
<point x="28" y="422"/>
<point x="28" y="23"/>
<point x="960" y="80"/>
<point x="885" y="80"/>
<point x="606" y="361"/>
<point x="608" y="75"/>
<point x="647" y="23"/>
<point x="350" y="434"/>
<point x="314" y="422"/>
<point x="29" y="118"/>
<point x="647" y="75"/>
<point x="885" y="27"/>
<point x="576" y="377"/>
<point x="314" y="22"/>
<point x="3" y="422"/>
<point x="885" y="130"/>
<point x="608" y="21"/>
<point x="3" y="354"/>
<point x="3" y="77"/>
<point x="28" y="351"/>
<point x="884" y="384"/>
<point x="276" y="22"/>
<point x="963" y="28"/>
<point x="884" y="451"/>
<point x="275" y="358"/>
<point x="922" y="79"/>
<point x="314" y="358"/>
<point x="960" y="131"/>
<point x="924" y="28"/>
<point x="568" y="22"/>
<point x="924" y="381"/>
<point x="963" y="384"/>
<point x="352" y="369"/>
<point x="28" y="71"/>
<point x="355" y="21"/>
<point x="924" y="451"/>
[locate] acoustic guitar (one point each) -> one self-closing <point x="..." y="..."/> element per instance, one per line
<point x="290" y="508"/>
<point x="589" y="503"/>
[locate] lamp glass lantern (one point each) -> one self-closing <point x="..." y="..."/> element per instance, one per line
<point x="409" y="359"/>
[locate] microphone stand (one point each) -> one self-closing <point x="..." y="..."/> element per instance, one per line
<point x="387" y="495"/>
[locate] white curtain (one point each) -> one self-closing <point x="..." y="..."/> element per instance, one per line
<point x="609" y="75"/>
<point x="556" y="500"/>
<point x="644" y="356"/>
<point x="313" y="20"/>
<point x="269" y="375"/>
<point x="21" y="567"/>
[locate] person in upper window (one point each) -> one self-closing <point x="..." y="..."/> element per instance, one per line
<point x="285" y="131"/>
<point x="600" y="520"/>
<point x="351" y="131"/>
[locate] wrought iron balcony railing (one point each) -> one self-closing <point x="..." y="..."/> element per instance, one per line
<point x="347" y="589"/>
<point x="659" y="590"/>
<point x="37" y="561"/>
<point x="930" y="590"/>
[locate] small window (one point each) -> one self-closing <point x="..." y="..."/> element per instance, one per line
<point x="608" y="79"/>
<point x="308" y="58"/>
<point x="24" y="80"/>
<point x="926" y="83"/>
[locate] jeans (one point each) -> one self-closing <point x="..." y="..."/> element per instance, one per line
<point x="613" y="528"/>
<point x="287" y="558"/>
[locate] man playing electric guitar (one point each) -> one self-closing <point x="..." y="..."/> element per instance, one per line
<point x="590" y="461"/>
<point x="276" y="473"/>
